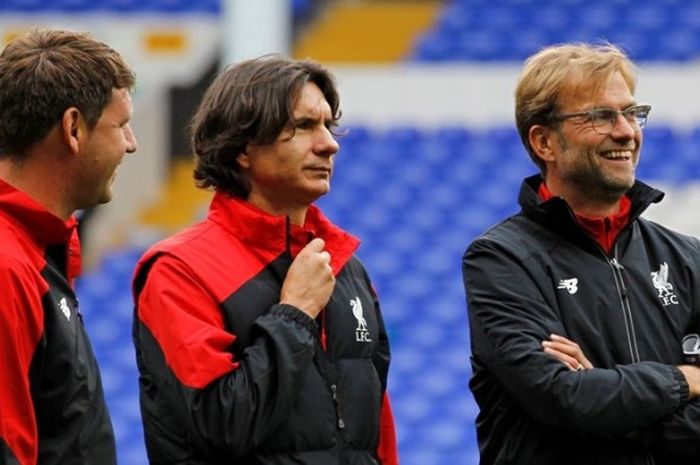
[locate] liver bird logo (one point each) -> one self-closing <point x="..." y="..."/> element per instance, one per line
<point x="660" y="280"/>
<point x="356" y="305"/>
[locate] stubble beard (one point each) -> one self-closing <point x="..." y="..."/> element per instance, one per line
<point x="590" y="178"/>
<point x="599" y="186"/>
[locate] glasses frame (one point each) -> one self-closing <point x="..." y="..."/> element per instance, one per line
<point x="691" y="348"/>
<point x="593" y="114"/>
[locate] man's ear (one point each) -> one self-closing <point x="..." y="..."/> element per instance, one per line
<point x="542" y="141"/>
<point x="243" y="160"/>
<point x="73" y="128"/>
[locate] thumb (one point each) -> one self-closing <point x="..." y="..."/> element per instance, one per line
<point x="316" y="245"/>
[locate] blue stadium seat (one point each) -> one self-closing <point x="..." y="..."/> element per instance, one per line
<point x="511" y="30"/>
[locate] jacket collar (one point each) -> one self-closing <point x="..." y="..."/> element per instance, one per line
<point x="640" y="194"/>
<point x="556" y="214"/>
<point x="42" y="227"/>
<point x="259" y="229"/>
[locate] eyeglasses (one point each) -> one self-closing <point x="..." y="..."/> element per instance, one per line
<point x="603" y="120"/>
<point x="691" y="348"/>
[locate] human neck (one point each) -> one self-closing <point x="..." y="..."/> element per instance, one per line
<point x="296" y="214"/>
<point x="594" y="209"/>
<point x="584" y="203"/>
<point x="39" y="181"/>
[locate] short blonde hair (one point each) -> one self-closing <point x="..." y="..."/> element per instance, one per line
<point x="550" y="71"/>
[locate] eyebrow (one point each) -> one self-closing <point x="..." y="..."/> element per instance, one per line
<point x="603" y="107"/>
<point x="312" y="114"/>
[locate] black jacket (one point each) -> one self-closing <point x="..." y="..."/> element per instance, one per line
<point x="539" y="273"/>
<point x="52" y="410"/>
<point x="229" y="376"/>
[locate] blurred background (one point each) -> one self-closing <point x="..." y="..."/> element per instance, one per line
<point x="430" y="160"/>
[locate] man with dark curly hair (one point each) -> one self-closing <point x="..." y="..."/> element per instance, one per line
<point x="258" y="333"/>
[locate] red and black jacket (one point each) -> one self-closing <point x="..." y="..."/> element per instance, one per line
<point x="228" y="375"/>
<point x="52" y="410"/>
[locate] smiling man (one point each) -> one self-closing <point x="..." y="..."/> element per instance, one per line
<point x="65" y="107"/>
<point x="577" y="305"/>
<point x="259" y="336"/>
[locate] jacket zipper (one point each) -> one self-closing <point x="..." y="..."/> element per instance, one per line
<point x="623" y="292"/>
<point x="322" y="337"/>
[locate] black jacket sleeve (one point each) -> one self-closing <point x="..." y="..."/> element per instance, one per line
<point x="382" y="356"/>
<point x="679" y="432"/>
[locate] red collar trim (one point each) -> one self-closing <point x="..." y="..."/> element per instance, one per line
<point x="41" y="226"/>
<point x="260" y="229"/>
<point x="603" y="230"/>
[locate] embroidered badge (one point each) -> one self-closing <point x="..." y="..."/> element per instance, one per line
<point x="361" y="332"/>
<point x="570" y="285"/>
<point x="665" y="289"/>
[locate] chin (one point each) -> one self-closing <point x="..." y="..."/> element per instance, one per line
<point x="313" y="196"/>
<point x="106" y="197"/>
<point x="321" y="189"/>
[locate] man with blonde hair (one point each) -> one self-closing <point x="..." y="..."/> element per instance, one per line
<point x="578" y="306"/>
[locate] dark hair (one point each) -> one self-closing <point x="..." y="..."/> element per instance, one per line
<point x="43" y="73"/>
<point x="251" y="102"/>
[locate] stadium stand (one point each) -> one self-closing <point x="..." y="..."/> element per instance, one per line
<point x="478" y="30"/>
<point x="115" y="6"/>
<point x="417" y="197"/>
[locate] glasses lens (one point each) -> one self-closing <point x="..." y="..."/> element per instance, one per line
<point x="640" y="116"/>
<point x="603" y="120"/>
<point x="691" y="344"/>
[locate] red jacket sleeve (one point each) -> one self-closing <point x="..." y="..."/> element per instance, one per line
<point x="21" y="326"/>
<point x="387" y="449"/>
<point x="185" y="320"/>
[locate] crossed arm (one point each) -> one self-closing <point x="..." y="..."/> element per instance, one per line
<point x="678" y="433"/>
<point x="570" y="354"/>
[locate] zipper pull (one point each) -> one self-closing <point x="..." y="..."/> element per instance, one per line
<point x="620" y="270"/>
<point x="618" y="266"/>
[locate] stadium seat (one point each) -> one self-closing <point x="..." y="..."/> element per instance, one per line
<point x="510" y="30"/>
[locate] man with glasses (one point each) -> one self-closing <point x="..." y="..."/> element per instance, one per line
<point x="578" y="306"/>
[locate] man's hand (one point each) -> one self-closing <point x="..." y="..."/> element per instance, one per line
<point x="310" y="281"/>
<point x="567" y="352"/>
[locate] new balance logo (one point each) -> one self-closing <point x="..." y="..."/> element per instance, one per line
<point x="361" y="332"/>
<point x="665" y="289"/>
<point x="570" y="285"/>
<point x="63" y="305"/>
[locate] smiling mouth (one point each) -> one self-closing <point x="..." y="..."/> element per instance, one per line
<point x="617" y="155"/>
